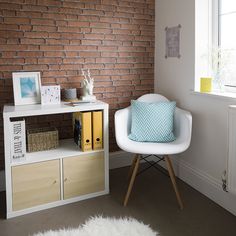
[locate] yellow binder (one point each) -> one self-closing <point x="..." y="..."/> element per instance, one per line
<point x="86" y="131"/>
<point x="97" y="130"/>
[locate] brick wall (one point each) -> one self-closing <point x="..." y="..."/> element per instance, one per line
<point x="113" y="38"/>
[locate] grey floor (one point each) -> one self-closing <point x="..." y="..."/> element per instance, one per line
<point x="152" y="201"/>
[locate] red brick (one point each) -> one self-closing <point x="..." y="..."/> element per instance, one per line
<point x="8" y="55"/>
<point x="49" y="60"/>
<point x="93" y="12"/>
<point x="99" y="25"/>
<point x="79" y="48"/>
<point x="44" y="28"/>
<point x="102" y="31"/>
<point x="73" y="4"/>
<point x="73" y="60"/>
<point x="71" y="54"/>
<point x="105" y="60"/>
<point x="69" y="29"/>
<point x="49" y="3"/>
<point x="13" y="47"/>
<point x="109" y="54"/>
<point x="8" y="13"/>
<point x="107" y="48"/>
<point x="9" y="6"/>
<point x="51" y="48"/>
<point x="35" y="67"/>
<point x="10" y="41"/>
<point x="31" y="61"/>
<point x="8" y="27"/>
<point x="89" y="54"/>
<point x="34" y="8"/>
<point x="11" y="61"/>
<point x="16" y="20"/>
<point x="55" y="16"/>
<point x="10" y="68"/>
<point x="78" y="24"/>
<point x="29" y="14"/>
<point x="25" y="28"/>
<point x="61" y="23"/>
<point x="32" y="41"/>
<point x="70" y="36"/>
<point x="53" y="54"/>
<point x="42" y="22"/>
<point x="57" y="41"/>
<point x="36" y="34"/>
<point x="91" y="42"/>
<point x="109" y="19"/>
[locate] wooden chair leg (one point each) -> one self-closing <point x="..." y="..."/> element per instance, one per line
<point x="173" y="180"/>
<point x="132" y="179"/>
<point x="132" y="166"/>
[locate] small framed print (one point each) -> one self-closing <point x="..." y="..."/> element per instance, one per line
<point x="26" y="86"/>
<point x="50" y="94"/>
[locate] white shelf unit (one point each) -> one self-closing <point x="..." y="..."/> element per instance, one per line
<point x="66" y="151"/>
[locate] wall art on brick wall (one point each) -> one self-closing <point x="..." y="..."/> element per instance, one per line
<point x="26" y="86"/>
<point x="173" y="41"/>
<point x="50" y="94"/>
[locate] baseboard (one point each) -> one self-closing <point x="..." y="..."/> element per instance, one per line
<point x="206" y="185"/>
<point x="119" y="159"/>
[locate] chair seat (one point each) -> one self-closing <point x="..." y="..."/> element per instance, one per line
<point x="175" y="147"/>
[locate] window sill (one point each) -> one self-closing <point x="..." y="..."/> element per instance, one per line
<point x="217" y="95"/>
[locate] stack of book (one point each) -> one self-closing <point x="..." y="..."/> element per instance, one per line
<point x="88" y="130"/>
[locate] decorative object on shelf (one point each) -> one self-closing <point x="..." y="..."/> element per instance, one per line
<point x="41" y="139"/>
<point x="205" y="84"/>
<point x="88" y="85"/>
<point x="173" y="41"/>
<point x="70" y="95"/>
<point x="26" y="86"/>
<point x="18" y="141"/>
<point x="50" y="94"/>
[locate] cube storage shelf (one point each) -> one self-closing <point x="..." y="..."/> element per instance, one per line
<point x="55" y="177"/>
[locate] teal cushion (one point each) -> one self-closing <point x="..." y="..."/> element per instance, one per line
<point x="152" y="122"/>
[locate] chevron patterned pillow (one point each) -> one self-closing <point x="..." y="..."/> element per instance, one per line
<point x="152" y="122"/>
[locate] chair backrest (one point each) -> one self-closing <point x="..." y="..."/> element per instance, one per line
<point x="152" y="97"/>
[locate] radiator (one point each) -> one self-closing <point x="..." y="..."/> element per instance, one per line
<point x="231" y="162"/>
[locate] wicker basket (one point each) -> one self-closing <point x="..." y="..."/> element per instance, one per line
<point x="41" y="139"/>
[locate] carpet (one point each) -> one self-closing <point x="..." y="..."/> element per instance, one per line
<point x="99" y="226"/>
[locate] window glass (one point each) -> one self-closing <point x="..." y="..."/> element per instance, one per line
<point x="227" y="41"/>
<point x="227" y="31"/>
<point x="227" y="6"/>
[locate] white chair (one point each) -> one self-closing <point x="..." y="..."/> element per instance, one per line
<point x="182" y="131"/>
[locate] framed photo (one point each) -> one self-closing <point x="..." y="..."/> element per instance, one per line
<point x="50" y="94"/>
<point x="26" y="86"/>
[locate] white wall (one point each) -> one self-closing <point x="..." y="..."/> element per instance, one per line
<point x="207" y="155"/>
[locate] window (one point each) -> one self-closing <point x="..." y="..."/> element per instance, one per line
<point x="224" y="39"/>
<point x="215" y="44"/>
<point x="227" y="38"/>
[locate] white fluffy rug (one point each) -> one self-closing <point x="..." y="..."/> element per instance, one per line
<point x="99" y="226"/>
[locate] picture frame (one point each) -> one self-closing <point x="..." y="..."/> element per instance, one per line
<point x="26" y="87"/>
<point x="50" y="94"/>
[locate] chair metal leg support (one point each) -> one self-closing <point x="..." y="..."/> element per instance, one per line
<point x="152" y="164"/>
<point x="173" y="180"/>
<point x="132" y="179"/>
